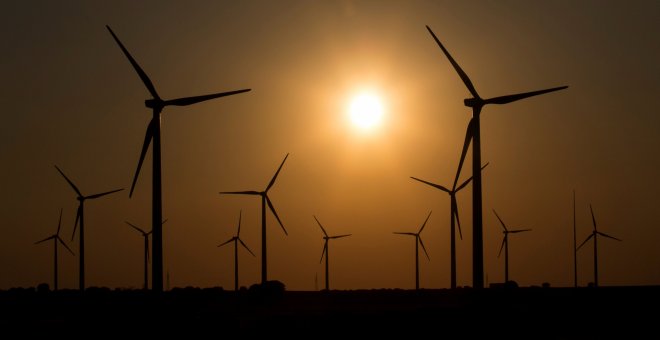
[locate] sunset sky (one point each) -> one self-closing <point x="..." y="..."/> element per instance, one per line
<point x="69" y="97"/>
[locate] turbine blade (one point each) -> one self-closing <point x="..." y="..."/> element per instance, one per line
<point x="104" y="193"/>
<point x="68" y="180"/>
<point x="402" y="233"/>
<point x="138" y="69"/>
<point x="501" y="247"/>
<point x="340" y="236"/>
<point x="246" y="247"/>
<point x="240" y="193"/>
<point x="592" y="217"/>
<point x="325" y="247"/>
<point x="317" y="221"/>
<point x="519" y="231"/>
<point x="498" y="217"/>
<point x="468" y="180"/>
<point x="194" y="100"/>
<point x="270" y="205"/>
<point x="437" y="186"/>
<point x="424" y="248"/>
<point x="458" y="220"/>
<point x="514" y="97"/>
<point x="240" y="212"/>
<point x="272" y="181"/>
<point x="230" y="240"/>
<point x="75" y="224"/>
<point x="585" y="241"/>
<point x="608" y="236"/>
<point x="46" y="239"/>
<point x="59" y="223"/>
<point x="145" y="146"/>
<point x="468" y="138"/>
<point x="136" y="228"/>
<point x="461" y="73"/>
<point x="424" y="225"/>
<point x="65" y="246"/>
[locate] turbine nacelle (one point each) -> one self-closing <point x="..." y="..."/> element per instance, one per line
<point x="473" y="102"/>
<point x="154" y="103"/>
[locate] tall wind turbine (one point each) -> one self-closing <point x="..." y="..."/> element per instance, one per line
<point x="326" y="252"/>
<point x="264" y="200"/>
<point x="237" y="239"/>
<point x="153" y="133"/>
<point x="418" y="241"/>
<point x="595" y="234"/>
<point x="146" y="251"/>
<point x="505" y="245"/>
<point x="477" y="103"/>
<point x="56" y="237"/>
<point x="80" y="218"/>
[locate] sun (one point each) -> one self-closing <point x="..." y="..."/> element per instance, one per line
<point x="366" y="111"/>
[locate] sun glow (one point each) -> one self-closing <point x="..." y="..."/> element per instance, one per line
<point x="366" y="111"/>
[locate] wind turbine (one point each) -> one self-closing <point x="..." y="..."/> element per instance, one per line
<point x="595" y="234"/>
<point x="264" y="200"/>
<point x="477" y="103"/>
<point x="153" y="133"/>
<point x="454" y="207"/>
<point x="505" y="245"/>
<point x="146" y="251"/>
<point x="80" y="217"/>
<point x="326" y="252"/>
<point x="56" y="237"/>
<point x="418" y="241"/>
<point x="237" y="239"/>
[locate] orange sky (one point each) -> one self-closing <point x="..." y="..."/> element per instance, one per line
<point x="70" y="98"/>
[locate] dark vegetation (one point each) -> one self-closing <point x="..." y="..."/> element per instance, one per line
<point x="502" y="312"/>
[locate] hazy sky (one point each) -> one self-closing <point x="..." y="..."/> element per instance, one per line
<point x="69" y="97"/>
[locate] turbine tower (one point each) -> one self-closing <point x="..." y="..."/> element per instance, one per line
<point x="477" y="103"/>
<point x="595" y="234"/>
<point x="237" y="239"/>
<point x="156" y="104"/>
<point x="264" y="200"/>
<point x="326" y="252"/>
<point x="418" y="241"/>
<point x="56" y="237"/>
<point x="505" y="245"/>
<point x="80" y="218"/>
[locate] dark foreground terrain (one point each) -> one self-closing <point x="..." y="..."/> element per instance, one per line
<point x="532" y="313"/>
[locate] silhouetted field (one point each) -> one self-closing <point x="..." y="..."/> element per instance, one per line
<point x="555" y="313"/>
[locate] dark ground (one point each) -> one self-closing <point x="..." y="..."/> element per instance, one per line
<point x="526" y="313"/>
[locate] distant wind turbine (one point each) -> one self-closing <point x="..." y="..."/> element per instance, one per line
<point x="326" y="252"/>
<point x="418" y="241"/>
<point x="56" y="237"/>
<point x="80" y="218"/>
<point x="505" y="245"/>
<point x="477" y="103"/>
<point x="237" y="239"/>
<point x="153" y="133"/>
<point x="146" y="251"/>
<point x="595" y="234"/>
<point x="264" y="200"/>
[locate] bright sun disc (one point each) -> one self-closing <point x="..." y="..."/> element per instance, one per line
<point x="366" y="111"/>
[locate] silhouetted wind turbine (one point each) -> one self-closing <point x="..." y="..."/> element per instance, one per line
<point x="153" y="133"/>
<point x="418" y="241"/>
<point x="595" y="234"/>
<point x="326" y="252"/>
<point x="264" y="200"/>
<point x="477" y="103"/>
<point x="80" y="217"/>
<point x="237" y="239"/>
<point x="56" y="237"/>
<point x="146" y="251"/>
<point x="505" y="245"/>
